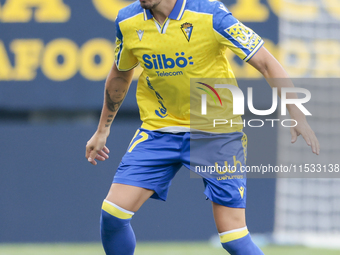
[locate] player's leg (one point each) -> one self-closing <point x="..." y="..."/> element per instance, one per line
<point x="118" y="208"/>
<point x="236" y="217"/>
<point x="225" y="185"/>
<point x="234" y="235"/>
<point x="146" y="170"/>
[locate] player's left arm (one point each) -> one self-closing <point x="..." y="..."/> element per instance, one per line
<point x="277" y="77"/>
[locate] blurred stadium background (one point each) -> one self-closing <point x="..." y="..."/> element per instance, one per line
<point x="54" y="57"/>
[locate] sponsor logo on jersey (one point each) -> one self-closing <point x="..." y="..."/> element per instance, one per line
<point x="161" y="61"/>
<point x="187" y="30"/>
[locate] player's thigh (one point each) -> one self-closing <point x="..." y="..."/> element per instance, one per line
<point x="228" y="218"/>
<point x="128" y="197"/>
<point x="146" y="169"/>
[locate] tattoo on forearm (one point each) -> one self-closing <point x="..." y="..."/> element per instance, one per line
<point x="111" y="104"/>
<point x="109" y="120"/>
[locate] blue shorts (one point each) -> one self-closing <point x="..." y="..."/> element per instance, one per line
<point x="153" y="159"/>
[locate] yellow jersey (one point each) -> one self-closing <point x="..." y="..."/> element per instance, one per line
<point x="190" y="44"/>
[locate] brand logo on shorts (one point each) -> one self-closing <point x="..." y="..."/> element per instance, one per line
<point x="241" y="190"/>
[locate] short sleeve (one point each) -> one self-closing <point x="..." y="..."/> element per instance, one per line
<point x="124" y="58"/>
<point x="243" y="41"/>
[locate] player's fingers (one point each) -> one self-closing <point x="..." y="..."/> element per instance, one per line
<point x="88" y="151"/>
<point x="92" y="156"/>
<point x="306" y="134"/>
<point x="92" y="161"/>
<point x="294" y="135"/>
<point x="318" y="146"/>
<point x="307" y="139"/>
<point x="315" y="144"/>
<point x="311" y="140"/>
<point x="106" y="150"/>
<point x="100" y="158"/>
<point x="103" y="154"/>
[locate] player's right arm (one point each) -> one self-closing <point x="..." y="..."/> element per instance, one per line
<point x="116" y="87"/>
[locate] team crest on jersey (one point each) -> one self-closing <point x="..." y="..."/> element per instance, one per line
<point x="140" y="34"/>
<point x="244" y="35"/>
<point x="187" y="30"/>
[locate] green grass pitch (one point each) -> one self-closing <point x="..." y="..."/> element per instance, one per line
<point x="149" y="249"/>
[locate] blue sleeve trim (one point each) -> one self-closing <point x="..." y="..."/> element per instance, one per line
<point x="222" y="20"/>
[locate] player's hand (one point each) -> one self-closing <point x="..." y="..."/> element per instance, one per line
<point x="96" y="149"/>
<point x="307" y="133"/>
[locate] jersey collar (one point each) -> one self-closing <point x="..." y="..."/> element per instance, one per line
<point x="175" y="14"/>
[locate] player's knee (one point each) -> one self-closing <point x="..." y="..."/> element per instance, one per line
<point x="114" y="217"/>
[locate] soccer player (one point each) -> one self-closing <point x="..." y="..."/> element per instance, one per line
<point x="173" y="41"/>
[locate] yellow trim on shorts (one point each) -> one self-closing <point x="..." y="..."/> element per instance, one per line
<point x="234" y="236"/>
<point x="110" y="209"/>
<point x="244" y="141"/>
